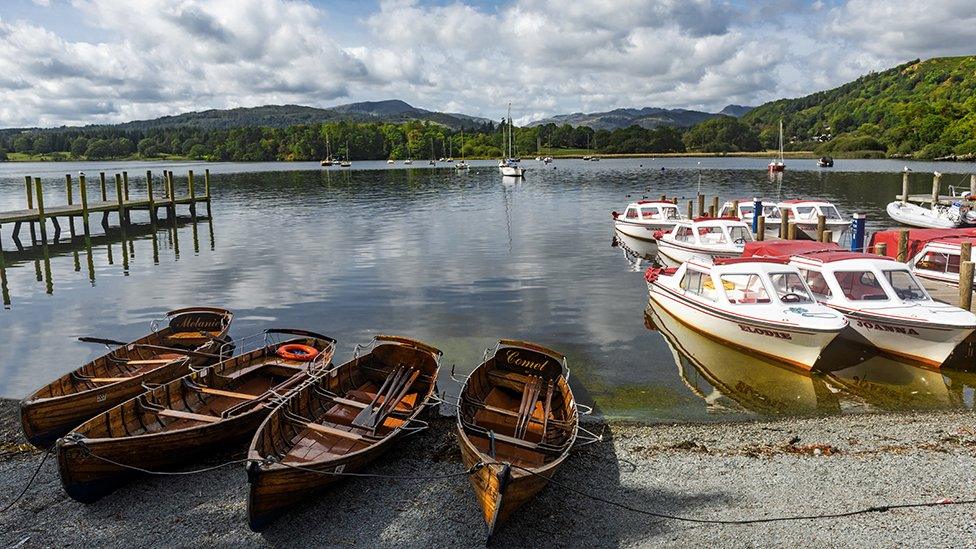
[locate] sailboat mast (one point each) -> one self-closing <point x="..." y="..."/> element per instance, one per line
<point x="781" y="140"/>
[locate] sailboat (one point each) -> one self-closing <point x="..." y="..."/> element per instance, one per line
<point x="328" y="153"/>
<point x="346" y="163"/>
<point x="777" y="165"/>
<point x="510" y="166"/>
<point x="432" y="161"/>
<point x="462" y="165"/>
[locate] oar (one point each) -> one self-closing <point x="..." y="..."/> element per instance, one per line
<point x="101" y="341"/>
<point x="364" y="415"/>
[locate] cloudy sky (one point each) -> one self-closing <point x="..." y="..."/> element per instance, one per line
<point x="87" y="61"/>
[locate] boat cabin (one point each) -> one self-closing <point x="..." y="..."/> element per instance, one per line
<point x="650" y="211"/>
<point x="709" y="232"/>
<point x="744" y="281"/>
<point x="807" y="211"/>
<point x="746" y="207"/>
<point x="933" y="254"/>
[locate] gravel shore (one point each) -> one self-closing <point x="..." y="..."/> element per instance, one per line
<point x="707" y="471"/>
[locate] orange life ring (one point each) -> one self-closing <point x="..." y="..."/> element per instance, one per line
<point x="295" y="351"/>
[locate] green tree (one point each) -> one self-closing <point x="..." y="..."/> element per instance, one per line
<point x="721" y="134"/>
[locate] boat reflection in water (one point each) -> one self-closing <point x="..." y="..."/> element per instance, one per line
<point x="858" y="379"/>
<point x="644" y="249"/>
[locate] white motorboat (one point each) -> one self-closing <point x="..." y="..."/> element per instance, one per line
<point x="702" y="236"/>
<point x="391" y="161"/>
<point x="805" y="214"/>
<point x="884" y="302"/>
<point x="408" y="162"/>
<point x="760" y="305"/>
<point x="642" y="218"/>
<point x="913" y="215"/>
<point x="746" y="205"/>
<point x="933" y="254"/>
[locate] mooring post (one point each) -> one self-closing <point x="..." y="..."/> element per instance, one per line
<point x="902" y="245"/>
<point x="29" y="183"/>
<point x="904" y="186"/>
<point x="121" y="200"/>
<point x="735" y="208"/>
<point x="972" y="186"/>
<point x="125" y="185"/>
<point x="193" y="194"/>
<point x="206" y="185"/>
<point x="171" y="209"/>
<point x="858" y="225"/>
<point x="791" y="231"/>
<point x="664" y="198"/>
<point x="756" y="214"/>
<point x="828" y="236"/>
<point x="965" y="252"/>
<point x="152" y="200"/>
<point x="966" y="285"/>
<point x="784" y="221"/>
<point x="760" y="228"/>
<point x="691" y="209"/>
<point x="701" y="205"/>
<point x="84" y="201"/>
<point x="104" y="192"/>
<point x="40" y="209"/>
<point x="715" y="208"/>
<point x="711" y="210"/>
<point x="881" y="249"/>
<point x="936" y="183"/>
<point x="821" y="227"/>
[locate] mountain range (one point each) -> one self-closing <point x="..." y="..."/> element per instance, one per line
<point x="647" y="117"/>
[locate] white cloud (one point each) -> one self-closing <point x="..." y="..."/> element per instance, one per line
<point x="146" y="58"/>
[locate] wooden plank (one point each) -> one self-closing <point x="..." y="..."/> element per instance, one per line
<point x="187" y="415"/>
<point x="231" y="394"/>
<point x="192" y="335"/>
<point x="107" y="379"/>
<point x="325" y="430"/>
<point x="154" y="360"/>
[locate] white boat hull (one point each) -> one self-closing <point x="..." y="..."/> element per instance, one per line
<point x="906" y="340"/>
<point x="512" y="171"/>
<point x="917" y="216"/>
<point x="673" y="254"/>
<point x="646" y="248"/>
<point x="797" y="347"/>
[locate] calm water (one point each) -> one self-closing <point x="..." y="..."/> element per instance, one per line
<point x="458" y="260"/>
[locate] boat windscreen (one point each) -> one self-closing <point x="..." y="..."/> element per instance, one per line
<point x="745" y="288"/>
<point x="830" y="212"/>
<point x="789" y="288"/>
<point x="740" y="235"/>
<point x="905" y="285"/>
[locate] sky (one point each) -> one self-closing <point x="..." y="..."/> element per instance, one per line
<point x="71" y="62"/>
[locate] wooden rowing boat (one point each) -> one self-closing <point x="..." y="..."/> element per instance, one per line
<point x="192" y="337"/>
<point x="518" y="418"/>
<point x="213" y="408"/>
<point x="338" y="423"/>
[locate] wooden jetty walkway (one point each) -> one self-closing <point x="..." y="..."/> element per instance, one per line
<point x="122" y="205"/>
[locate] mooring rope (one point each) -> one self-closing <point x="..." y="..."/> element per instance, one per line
<point x="30" y="481"/>
<point x="842" y="514"/>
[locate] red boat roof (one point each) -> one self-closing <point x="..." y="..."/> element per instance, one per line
<point x="918" y="238"/>
<point x="787" y="248"/>
<point x="707" y="218"/>
<point x="841" y="255"/>
<point x="668" y="202"/>
<point x="803" y="200"/>
<point x="735" y="260"/>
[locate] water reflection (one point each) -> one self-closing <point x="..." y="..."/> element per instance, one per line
<point x="42" y="254"/>
<point x="730" y="380"/>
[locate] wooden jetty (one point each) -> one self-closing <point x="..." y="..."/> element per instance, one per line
<point x="936" y="196"/>
<point x="122" y="206"/>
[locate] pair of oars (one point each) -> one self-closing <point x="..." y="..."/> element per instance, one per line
<point x="394" y="385"/>
<point x="101" y="341"/>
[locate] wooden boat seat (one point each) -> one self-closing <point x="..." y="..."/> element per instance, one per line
<point x="231" y="394"/>
<point x="153" y="361"/>
<point x="107" y="379"/>
<point x="365" y="397"/>
<point x="515" y="453"/>
<point x="332" y="431"/>
<point x="179" y="414"/>
<point x="198" y="334"/>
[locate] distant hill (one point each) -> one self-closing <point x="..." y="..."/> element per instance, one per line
<point x="282" y="116"/>
<point x="735" y="110"/>
<point x="922" y="109"/>
<point x="647" y="117"/>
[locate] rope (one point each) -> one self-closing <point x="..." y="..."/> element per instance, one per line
<point x="864" y="511"/>
<point x="470" y="471"/>
<point x="30" y="481"/>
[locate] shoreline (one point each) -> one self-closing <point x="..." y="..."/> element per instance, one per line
<point x="728" y="470"/>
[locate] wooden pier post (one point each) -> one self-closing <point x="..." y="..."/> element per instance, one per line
<point x="966" y="285"/>
<point x="828" y="236"/>
<point x="711" y="210"/>
<point x="784" y="221"/>
<point x="881" y="249"/>
<point x="965" y="252"/>
<point x="735" y="208"/>
<point x="821" y="227"/>
<point x="125" y="185"/>
<point x="206" y="185"/>
<point x="121" y="200"/>
<point x="761" y="228"/>
<point x="714" y="209"/>
<point x="691" y="209"/>
<point x="171" y="209"/>
<point x="29" y="183"/>
<point x="972" y="186"/>
<point x="902" y="245"/>
<point x="40" y="209"/>
<point x="84" y="202"/>
<point x="69" y="191"/>
<point x="936" y="184"/>
<point x="193" y="195"/>
<point x="791" y="231"/>
<point x="152" y="199"/>
<point x="104" y="192"/>
<point x="664" y="198"/>
<point x="701" y="205"/>
<point x="904" y="187"/>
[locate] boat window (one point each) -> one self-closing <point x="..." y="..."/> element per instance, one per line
<point x="860" y="286"/>
<point x="935" y="261"/>
<point x="711" y="235"/>
<point x="683" y="234"/>
<point x="806" y="212"/>
<point x="789" y="288"/>
<point x="953" y="266"/>
<point x="817" y="283"/>
<point x="648" y="212"/>
<point x="905" y="285"/>
<point x="670" y="212"/>
<point x="740" y="235"/>
<point x="770" y="211"/>
<point x="745" y="210"/>
<point x="631" y="213"/>
<point x="830" y="211"/>
<point x="699" y="283"/>
<point x="745" y="288"/>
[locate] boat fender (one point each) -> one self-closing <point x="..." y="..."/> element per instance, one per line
<point x="658" y="234"/>
<point x="295" y="351"/>
<point x="615" y="214"/>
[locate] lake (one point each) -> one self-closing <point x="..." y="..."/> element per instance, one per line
<point x="456" y="259"/>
